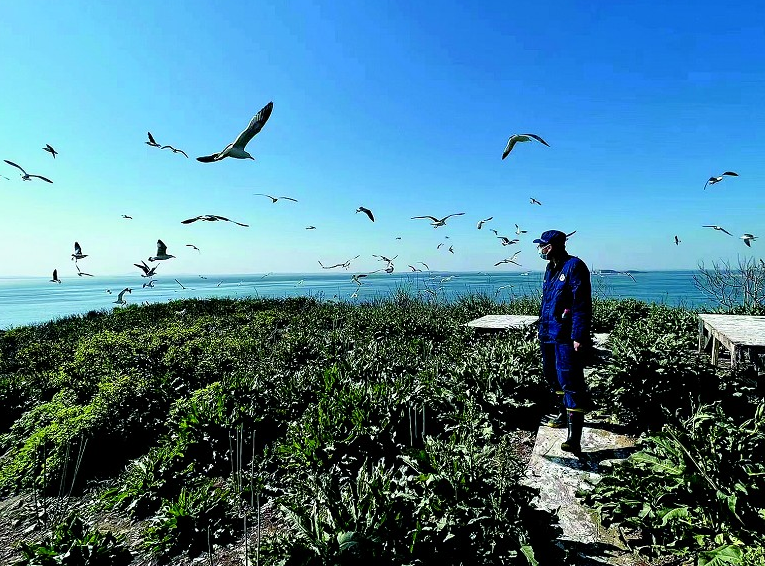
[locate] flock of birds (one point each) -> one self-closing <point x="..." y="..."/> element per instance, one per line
<point x="236" y="150"/>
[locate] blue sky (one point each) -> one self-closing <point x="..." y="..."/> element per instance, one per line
<point x="401" y="107"/>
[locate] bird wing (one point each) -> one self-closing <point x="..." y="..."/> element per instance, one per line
<point x="151" y="138"/>
<point x="179" y="283"/>
<point x="255" y="125"/>
<point x="190" y="220"/>
<point x="166" y="146"/>
<point x="509" y="147"/>
<point x="208" y="158"/>
<point x="710" y="179"/>
<point x="724" y="230"/>
<point x="41" y="177"/>
<point x="425" y="264"/>
<point x="455" y="214"/>
<point x="731" y="174"/>
<point x="183" y="152"/>
<point x="536" y="137"/>
<point x="746" y="241"/>
<point x="433" y="218"/>
<point x="144" y="267"/>
<point x="265" y="195"/>
<point x="55" y="274"/>
<point x="77" y="249"/>
<point x="570" y="234"/>
<point x="161" y="248"/>
<point x="16" y="166"/>
<point x="289" y="198"/>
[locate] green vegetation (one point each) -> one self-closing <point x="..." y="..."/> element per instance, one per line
<point x="335" y="433"/>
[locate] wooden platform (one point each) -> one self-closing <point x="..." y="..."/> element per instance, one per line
<point x="739" y="334"/>
<point x="503" y="321"/>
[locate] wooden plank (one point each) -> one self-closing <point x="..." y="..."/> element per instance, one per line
<point x="503" y="321"/>
<point x="739" y="329"/>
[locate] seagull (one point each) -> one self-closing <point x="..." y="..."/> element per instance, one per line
<point x="179" y="283"/>
<point x="193" y="246"/>
<point x="507" y="260"/>
<point x="436" y="222"/>
<point x="507" y="241"/>
<point x="310" y="227"/>
<point x="424" y="264"/>
<point x="109" y="291"/>
<point x="367" y="212"/>
<point x="355" y="278"/>
<point x="413" y="268"/>
<point x="78" y="252"/>
<point x="677" y="241"/>
<point x="151" y="141"/>
<point x="26" y="176"/>
<point x="398" y="237"/>
<point x="496" y="233"/>
<point x="128" y="217"/>
<point x="481" y="222"/>
<point x="345" y="264"/>
<point x="385" y="259"/>
<point x="212" y="218"/>
<point x="438" y="247"/>
<point x="174" y="150"/>
<point x="519" y="231"/>
<point x="148" y="271"/>
<point x="161" y="254"/>
<point x="120" y="300"/>
<point x="451" y="249"/>
<point x="55" y="277"/>
<point x="721" y="229"/>
<point x="202" y="277"/>
<point x="50" y="150"/>
<point x="715" y="180"/>
<point x="748" y="238"/>
<point x="149" y="284"/>
<point x="517" y="138"/>
<point x="81" y="273"/>
<point x="236" y="149"/>
<point x="534" y="201"/>
<point x="274" y="199"/>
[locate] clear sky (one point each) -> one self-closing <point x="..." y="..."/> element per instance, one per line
<point x="402" y="107"/>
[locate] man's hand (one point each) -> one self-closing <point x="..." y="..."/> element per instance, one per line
<point x="577" y="346"/>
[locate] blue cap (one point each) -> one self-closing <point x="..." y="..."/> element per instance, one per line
<point x="551" y="237"/>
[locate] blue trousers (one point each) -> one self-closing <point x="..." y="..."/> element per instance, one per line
<point x="564" y="372"/>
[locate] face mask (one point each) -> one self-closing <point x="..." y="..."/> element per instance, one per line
<point x="543" y="256"/>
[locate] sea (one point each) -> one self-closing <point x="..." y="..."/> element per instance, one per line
<point x="28" y="300"/>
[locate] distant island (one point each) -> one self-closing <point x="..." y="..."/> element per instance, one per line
<point x="615" y="271"/>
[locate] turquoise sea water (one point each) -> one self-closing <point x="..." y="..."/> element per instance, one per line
<point x="32" y="300"/>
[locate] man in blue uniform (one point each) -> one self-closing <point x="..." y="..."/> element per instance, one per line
<point x="564" y="332"/>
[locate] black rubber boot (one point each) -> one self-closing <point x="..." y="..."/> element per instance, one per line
<point x="574" y="441"/>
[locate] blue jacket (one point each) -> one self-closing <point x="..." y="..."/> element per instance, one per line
<point x="566" y="288"/>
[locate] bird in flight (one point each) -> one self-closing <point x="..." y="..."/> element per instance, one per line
<point x="149" y="284"/>
<point x="496" y="232"/>
<point x="677" y="241"/>
<point x="345" y="265"/>
<point x="385" y="259"/>
<point x="720" y="228"/>
<point x="510" y="259"/>
<point x="120" y="300"/>
<point x="147" y="271"/>
<point x="438" y="247"/>
<point x="179" y="283"/>
<point x="193" y="246"/>
<point x="518" y="138"/>
<point x="236" y="148"/>
<point x="212" y="218"/>
<point x="55" y="277"/>
<point x="748" y="238"/>
<point x="161" y="253"/>
<point x="50" y="150"/>
<point x="174" y="150"/>
<point x="482" y="222"/>
<point x="507" y="241"/>
<point x="78" y="252"/>
<point x="715" y="180"/>
<point x="356" y="278"/>
<point x="80" y="272"/>
<point x="628" y="274"/>
<point x="532" y="200"/>
<point x="128" y="217"/>
<point x="151" y="141"/>
<point x="274" y="199"/>
<point x="310" y="227"/>
<point x="26" y="176"/>
<point x="436" y="222"/>
<point x="413" y="268"/>
<point x="367" y="212"/>
<point x="519" y="231"/>
<point x="451" y="249"/>
<point x="424" y="264"/>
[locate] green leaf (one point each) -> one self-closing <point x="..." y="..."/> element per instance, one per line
<point x="728" y="554"/>
<point x="528" y="552"/>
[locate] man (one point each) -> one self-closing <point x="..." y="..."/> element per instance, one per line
<point x="564" y="332"/>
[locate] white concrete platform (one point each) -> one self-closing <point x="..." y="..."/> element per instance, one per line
<point x="503" y="321"/>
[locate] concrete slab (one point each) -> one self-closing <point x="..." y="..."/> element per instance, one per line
<point x="503" y="321"/>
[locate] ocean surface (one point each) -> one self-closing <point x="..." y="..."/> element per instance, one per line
<point x="25" y="300"/>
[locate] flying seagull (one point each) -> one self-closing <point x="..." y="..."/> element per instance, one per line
<point x="212" y="218"/>
<point x="356" y="278"/>
<point x="517" y="138"/>
<point x="161" y="253"/>
<point x="413" y="268"/>
<point x="510" y="259"/>
<point x="451" y="249"/>
<point x="310" y="227"/>
<point x="677" y="241"/>
<point x="175" y="150"/>
<point x="436" y="222"/>
<point x="78" y="252"/>
<point x="532" y="200"/>
<point x="519" y="231"/>
<point x="128" y="217"/>
<point x="236" y="149"/>
<point x="55" y="277"/>
<point x="715" y="180"/>
<point x="151" y="141"/>
<point x="120" y="300"/>
<point x="748" y="238"/>
<point x="274" y="199"/>
<point x="507" y="241"/>
<point x="345" y="264"/>
<point x="82" y="273"/>
<point x="149" y="284"/>
<point x="147" y="271"/>
<point x="425" y="264"/>
<point x="193" y="246"/>
<point x="26" y="176"/>
<point x="179" y="283"/>
<point x="385" y="259"/>
<point x="50" y="150"/>
<point x="481" y="222"/>
<point x="721" y="229"/>
<point x="367" y="212"/>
